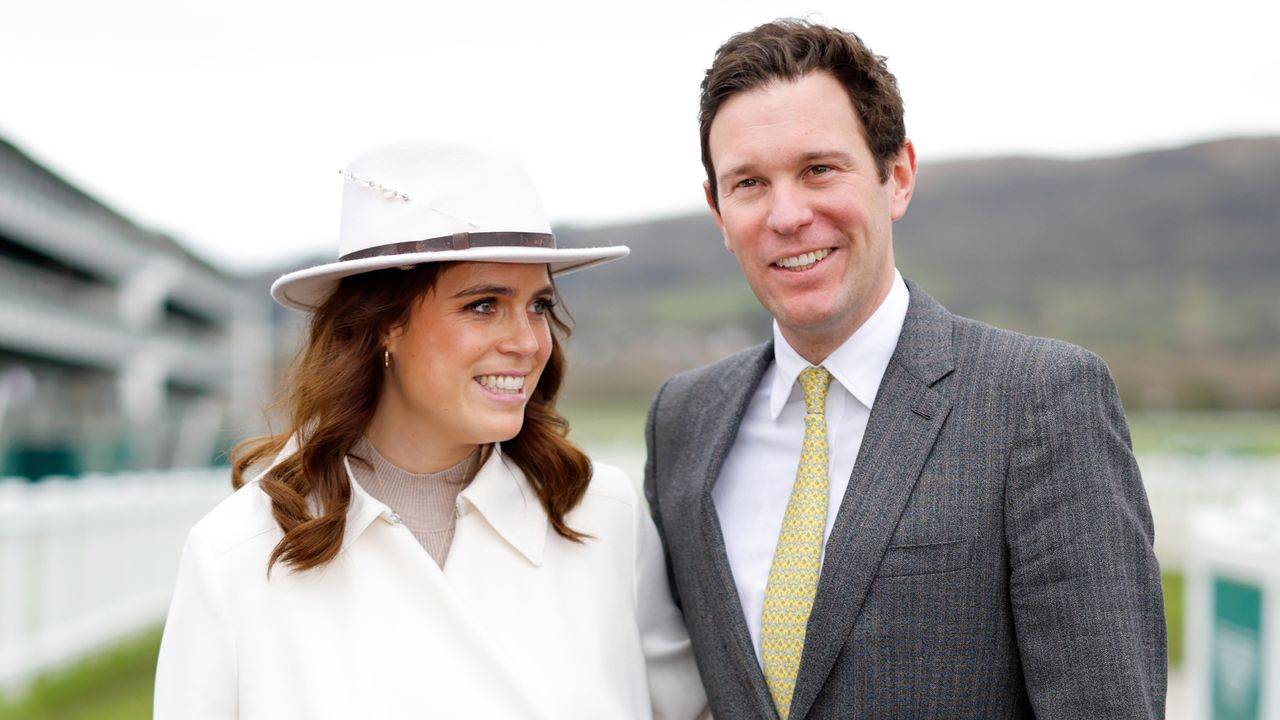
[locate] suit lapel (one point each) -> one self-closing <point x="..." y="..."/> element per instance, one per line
<point x="904" y="424"/>
<point x="719" y="422"/>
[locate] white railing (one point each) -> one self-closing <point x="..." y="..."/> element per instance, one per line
<point x="1179" y="485"/>
<point x="86" y="562"/>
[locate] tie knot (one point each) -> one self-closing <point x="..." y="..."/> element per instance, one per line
<point x="815" y="381"/>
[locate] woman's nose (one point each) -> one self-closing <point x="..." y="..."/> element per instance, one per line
<point x="521" y="337"/>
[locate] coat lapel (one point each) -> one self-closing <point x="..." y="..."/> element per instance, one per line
<point x="718" y="425"/>
<point x="904" y="424"/>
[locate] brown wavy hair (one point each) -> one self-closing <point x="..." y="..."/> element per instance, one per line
<point x="331" y="394"/>
<point x="790" y="48"/>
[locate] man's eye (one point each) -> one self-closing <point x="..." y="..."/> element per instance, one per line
<point x="749" y="182"/>
<point x="483" y="307"/>
<point x="820" y="169"/>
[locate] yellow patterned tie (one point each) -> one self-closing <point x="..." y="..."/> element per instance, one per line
<point x="793" y="576"/>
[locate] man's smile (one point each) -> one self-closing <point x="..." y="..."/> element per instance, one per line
<point x="804" y="261"/>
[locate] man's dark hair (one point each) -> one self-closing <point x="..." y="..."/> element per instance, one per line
<point x="788" y="50"/>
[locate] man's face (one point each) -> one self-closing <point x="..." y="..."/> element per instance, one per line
<point x="802" y="207"/>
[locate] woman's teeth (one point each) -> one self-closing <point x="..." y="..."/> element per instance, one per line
<point x="502" y="383"/>
<point x="800" y="262"/>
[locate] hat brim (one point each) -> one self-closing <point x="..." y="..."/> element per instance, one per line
<point x="306" y="289"/>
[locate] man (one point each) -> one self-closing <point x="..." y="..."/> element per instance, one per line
<point x="889" y="511"/>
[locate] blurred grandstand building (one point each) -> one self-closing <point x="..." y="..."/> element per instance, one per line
<point x="118" y="348"/>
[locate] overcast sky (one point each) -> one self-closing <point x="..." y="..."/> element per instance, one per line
<point x="224" y="123"/>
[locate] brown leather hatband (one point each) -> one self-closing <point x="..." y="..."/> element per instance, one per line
<point x="458" y="241"/>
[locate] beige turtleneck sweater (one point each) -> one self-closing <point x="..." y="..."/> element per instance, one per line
<point x="425" y="503"/>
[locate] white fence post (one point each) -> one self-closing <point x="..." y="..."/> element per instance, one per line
<point x="87" y="562"/>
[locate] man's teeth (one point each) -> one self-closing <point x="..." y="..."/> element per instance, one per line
<point x="802" y="261"/>
<point x="502" y="383"/>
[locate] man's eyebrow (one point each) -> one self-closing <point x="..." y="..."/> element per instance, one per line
<point x="838" y="155"/>
<point x="736" y="171"/>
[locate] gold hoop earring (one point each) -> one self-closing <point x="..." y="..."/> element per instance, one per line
<point x="386" y="359"/>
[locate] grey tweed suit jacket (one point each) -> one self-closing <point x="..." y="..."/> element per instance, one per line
<point x="992" y="557"/>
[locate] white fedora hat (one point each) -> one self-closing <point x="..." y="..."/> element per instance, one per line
<point x="421" y="202"/>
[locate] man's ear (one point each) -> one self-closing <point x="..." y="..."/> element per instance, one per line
<point x="715" y="212"/>
<point x="903" y="177"/>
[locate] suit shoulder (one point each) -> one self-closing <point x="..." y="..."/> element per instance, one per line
<point x="243" y="516"/>
<point x="983" y="344"/>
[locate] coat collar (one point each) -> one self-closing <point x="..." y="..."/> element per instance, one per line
<point x="502" y="494"/>
<point x="924" y="347"/>
<point x="499" y="492"/>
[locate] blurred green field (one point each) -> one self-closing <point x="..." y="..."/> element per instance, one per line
<point x="113" y="685"/>
<point x="1201" y="433"/>
<point x="596" y="422"/>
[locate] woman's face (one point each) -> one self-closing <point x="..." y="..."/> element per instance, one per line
<point x="470" y="355"/>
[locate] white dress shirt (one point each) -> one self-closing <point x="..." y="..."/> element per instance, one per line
<point x="755" y="482"/>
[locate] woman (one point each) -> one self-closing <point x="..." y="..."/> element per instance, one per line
<point x="427" y="543"/>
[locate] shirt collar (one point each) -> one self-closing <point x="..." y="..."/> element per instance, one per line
<point x="858" y="364"/>
<point x="499" y="492"/>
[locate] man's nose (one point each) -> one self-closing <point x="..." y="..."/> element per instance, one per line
<point x="789" y="209"/>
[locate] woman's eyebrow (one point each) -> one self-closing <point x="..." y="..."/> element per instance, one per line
<point x="502" y="290"/>
<point x="486" y="290"/>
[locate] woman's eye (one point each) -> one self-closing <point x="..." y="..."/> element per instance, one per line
<point x="484" y="307"/>
<point x="542" y="306"/>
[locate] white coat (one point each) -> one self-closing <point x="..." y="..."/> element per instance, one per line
<point x="520" y="623"/>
